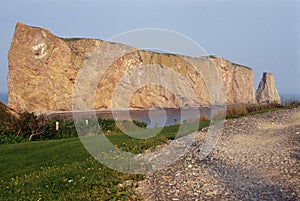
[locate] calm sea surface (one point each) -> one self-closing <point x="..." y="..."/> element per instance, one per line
<point x="153" y="118"/>
<point x="158" y="118"/>
<point x="289" y="97"/>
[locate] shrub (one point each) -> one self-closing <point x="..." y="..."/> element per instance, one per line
<point x="29" y="125"/>
<point x="66" y="130"/>
<point x="236" y="111"/>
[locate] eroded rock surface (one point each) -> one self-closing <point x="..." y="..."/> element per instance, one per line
<point x="43" y="73"/>
<point x="267" y="91"/>
<point x="6" y="111"/>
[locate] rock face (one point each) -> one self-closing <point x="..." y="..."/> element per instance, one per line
<point x="44" y="75"/>
<point x="237" y="81"/>
<point x="5" y="112"/>
<point x="267" y="91"/>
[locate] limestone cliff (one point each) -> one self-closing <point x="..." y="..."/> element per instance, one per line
<point x="43" y="72"/>
<point x="238" y="82"/>
<point x="267" y="91"/>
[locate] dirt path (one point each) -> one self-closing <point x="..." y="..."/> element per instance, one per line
<point x="256" y="158"/>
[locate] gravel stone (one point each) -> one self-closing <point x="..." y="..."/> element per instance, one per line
<point x="256" y="158"/>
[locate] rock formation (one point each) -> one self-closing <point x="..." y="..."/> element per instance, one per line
<point x="267" y="91"/>
<point x="43" y="75"/>
<point x="237" y="81"/>
<point x="5" y="112"/>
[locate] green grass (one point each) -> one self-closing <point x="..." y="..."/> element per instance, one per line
<point x="23" y="158"/>
<point x="64" y="170"/>
<point x="70" y="39"/>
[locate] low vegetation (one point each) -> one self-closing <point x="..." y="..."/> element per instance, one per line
<point x="64" y="170"/>
<point x="56" y="166"/>
<point x="30" y="127"/>
<point x="58" y="170"/>
<point x="70" y="39"/>
<point x="235" y="111"/>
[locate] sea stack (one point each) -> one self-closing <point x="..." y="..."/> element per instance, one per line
<point x="267" y="92"/>
<point x="43" y="70"/>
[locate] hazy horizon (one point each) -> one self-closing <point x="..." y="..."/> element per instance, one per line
<point x="263" y="35"/>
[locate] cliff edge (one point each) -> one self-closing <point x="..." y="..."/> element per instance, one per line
<point x="43" y="69"/>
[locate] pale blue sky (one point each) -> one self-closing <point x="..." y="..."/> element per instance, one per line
<point x="261" y="34"/>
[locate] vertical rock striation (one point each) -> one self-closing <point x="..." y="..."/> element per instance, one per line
<point x="237" y="80"/>
<point x="267" y="92"/>
<point x="42" y="69"/>
<point x="43" y="72"/>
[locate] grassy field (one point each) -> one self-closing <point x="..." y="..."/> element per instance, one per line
<point x="64" y="170"/>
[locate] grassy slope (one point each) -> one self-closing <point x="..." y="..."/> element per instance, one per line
<point x="57" y="170"/>
<point x="23" y="158"/>
<point x="63" y="169"/>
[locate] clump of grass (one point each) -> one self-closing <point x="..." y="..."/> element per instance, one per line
<point x="235" y="111"/>
<point x="292" y="104"/>
<point x="70" y="39"/>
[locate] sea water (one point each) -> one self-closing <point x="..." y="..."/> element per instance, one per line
<point x="289" y="97"/>
<point x="162" y="117"/>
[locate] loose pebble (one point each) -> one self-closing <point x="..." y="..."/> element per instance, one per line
<point x="256" y="158"/>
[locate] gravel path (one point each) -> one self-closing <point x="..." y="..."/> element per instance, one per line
<point x="256" y="158"/>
